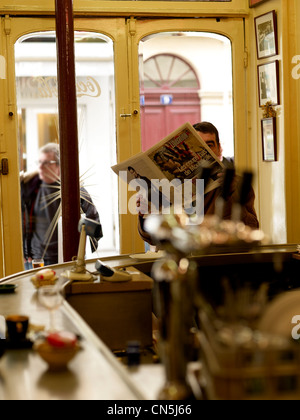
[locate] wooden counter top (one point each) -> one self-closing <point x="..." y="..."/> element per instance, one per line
<point x="94" y="374"/>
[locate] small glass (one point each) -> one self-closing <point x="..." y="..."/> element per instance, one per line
<point x="38" y="263"/>
<point x="51" y="298"/>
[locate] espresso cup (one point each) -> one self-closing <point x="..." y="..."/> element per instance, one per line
<point x="2" y="347"/>
<point x="16" y="327"/>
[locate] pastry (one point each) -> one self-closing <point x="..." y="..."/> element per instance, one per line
<point x="44" y="277"/>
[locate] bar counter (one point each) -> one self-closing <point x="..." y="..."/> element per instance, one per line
<point x="95" y="373"/>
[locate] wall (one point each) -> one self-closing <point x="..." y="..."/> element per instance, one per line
<point x="270" y="176"/>
<point x="291" y="59"/>
<point x="278" y="184"/>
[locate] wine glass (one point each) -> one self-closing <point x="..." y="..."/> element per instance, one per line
<point x="51" y="298"/>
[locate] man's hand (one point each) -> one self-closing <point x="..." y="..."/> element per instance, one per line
<point x="142" y="205"/>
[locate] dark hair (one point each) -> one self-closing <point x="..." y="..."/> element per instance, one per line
<point x="130" y="168"/>
<point x="207" y="127"/>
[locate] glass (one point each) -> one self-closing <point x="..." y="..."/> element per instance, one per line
<point x="38" y="263"/>
<point x="37" y="100"/>
<point x="190" y="81"/>
<point x="51" y="298"/>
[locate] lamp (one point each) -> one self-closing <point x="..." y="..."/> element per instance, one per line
<point x="86" y="227"/>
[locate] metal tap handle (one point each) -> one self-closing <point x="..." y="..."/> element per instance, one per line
<point x="228" y="178"/>
<point x="245" y="187"/>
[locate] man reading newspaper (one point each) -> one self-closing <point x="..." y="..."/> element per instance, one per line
<point x="210" y="136"/>
<point x="171" y="174"/>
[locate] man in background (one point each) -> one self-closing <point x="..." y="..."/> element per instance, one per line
<point x="41" y="208"/>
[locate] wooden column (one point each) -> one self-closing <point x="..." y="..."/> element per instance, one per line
<point x="68" y="131"/>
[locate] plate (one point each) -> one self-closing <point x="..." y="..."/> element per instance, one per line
<point x="7" y="288"/>
<point x="149" y="255"/>
<point x="21" y="344"/>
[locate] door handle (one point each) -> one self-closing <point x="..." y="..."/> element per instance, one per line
<point x="135" y="112"/>
<point x="4" y="167"/>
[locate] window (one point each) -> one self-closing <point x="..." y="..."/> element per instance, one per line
<point x="37" y="97"/>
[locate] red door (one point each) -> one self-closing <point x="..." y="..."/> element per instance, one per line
<point x="167" y="102"/>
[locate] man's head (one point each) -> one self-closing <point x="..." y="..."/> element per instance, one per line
<point x="48" y="164"/>
<point x="133" y="172"/>
<point x="210" y="135"/>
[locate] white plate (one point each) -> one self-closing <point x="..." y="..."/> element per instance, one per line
<point x="149" y="255"/>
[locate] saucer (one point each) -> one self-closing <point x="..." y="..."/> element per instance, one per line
<point x="20" y="344"/>
<point x="149" y="256"/>
<point x="8" y="288"/>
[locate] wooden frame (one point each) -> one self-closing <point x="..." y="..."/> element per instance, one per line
<point x="254" y="3"/>
<point x="269" y="139"/>
<point x="268" y="83"/>
<point x="119" y="8"/>
<point x="266" y="35"/>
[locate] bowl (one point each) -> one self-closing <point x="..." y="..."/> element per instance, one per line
<point x="57" y="358"/>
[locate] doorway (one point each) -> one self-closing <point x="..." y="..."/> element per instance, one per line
<point x="186" y="77"/>
<point x="37" y="101"/>
<point x="125" y="38"/>
<point x="169" y="98"/>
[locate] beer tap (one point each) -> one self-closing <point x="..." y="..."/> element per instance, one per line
<point x="244" y="191"/>
<point x="176" y="276"/>
<point x="176" y="320"/>
<point x="225" y="192"/>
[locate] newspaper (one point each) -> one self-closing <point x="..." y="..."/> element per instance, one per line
<point x="180" y="156"/>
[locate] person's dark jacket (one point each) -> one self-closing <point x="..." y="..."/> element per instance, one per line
<point x="248" y="216"/>
<point x="40" y="212"/>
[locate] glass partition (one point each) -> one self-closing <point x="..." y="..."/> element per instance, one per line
<point x="186" y="77"/>
<point x="37" y="100"/>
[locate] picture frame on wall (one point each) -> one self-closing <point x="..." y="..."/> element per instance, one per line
<point x="269" y="139"/>
<point x="268" y="83"/>
<point x="266" y="35"/>
<point x="254" y="3"/>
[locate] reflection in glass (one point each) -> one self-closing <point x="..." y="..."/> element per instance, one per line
<point x="37" y="100"/>
<point x="185" y="76"/>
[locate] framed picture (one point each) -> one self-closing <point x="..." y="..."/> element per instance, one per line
<point x="269" y="139"/>
<point x="253" y="3"/>
<point x="266" y="35"/>
<point x="268" y="83"/>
